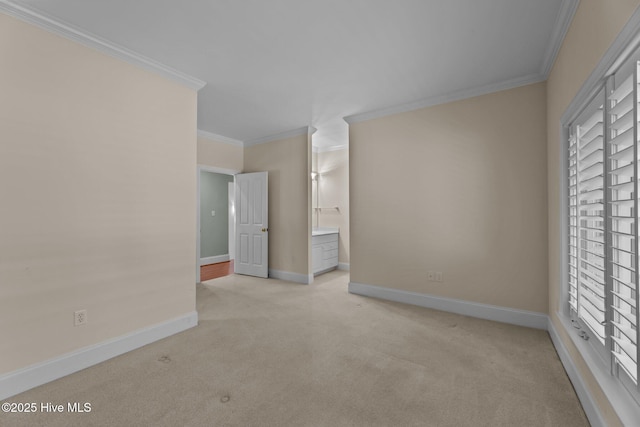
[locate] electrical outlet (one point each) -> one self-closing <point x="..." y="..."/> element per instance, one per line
<point x="430" y="276"/>
<point x="438" y="276"/>
<point x="79" y="317"/>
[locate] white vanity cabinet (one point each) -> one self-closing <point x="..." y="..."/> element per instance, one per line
<point x="324" y="251"/>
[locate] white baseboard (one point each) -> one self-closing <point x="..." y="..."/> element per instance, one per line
<point x="344" y="266"/>
<point x="214" y="259"/>
<point x="624" y="405"/>
<point x="32" y="376"/>
<point x="305" y="279"/>
<point x="588" y="404"/>
<point x="326" y="270"/>
<point x="529" y="319"/>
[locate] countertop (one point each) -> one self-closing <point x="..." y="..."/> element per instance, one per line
<point x="322" y="231"/>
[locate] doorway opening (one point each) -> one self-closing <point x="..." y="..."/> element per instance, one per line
<point x="218" y="269"/>
<point x="330" y="209"/>
<point x="215" y="246"/>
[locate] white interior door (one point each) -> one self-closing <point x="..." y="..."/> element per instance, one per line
<point x="252" y="224"/>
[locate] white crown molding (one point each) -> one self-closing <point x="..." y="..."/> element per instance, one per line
<point x="219" y="138"/>
<point x="444" y="99"/>
<point x="563" y="21"/>
<point x="71" y="32"/>
<point x="305" y="130"/>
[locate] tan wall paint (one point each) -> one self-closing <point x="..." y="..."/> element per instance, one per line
<point x="594" y="27"/>
<point x="334" y="191"/>
<point x="458" y="188"/>
<point x="98" y="191"/>
<point x="219" y="154"/>
<point x="288" y="162"/>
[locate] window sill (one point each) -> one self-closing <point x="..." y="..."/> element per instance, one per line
<point x="626" y="408"/>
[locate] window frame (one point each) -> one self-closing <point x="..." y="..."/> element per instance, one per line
<point x="578" y="323"/>
<point x="622" y="393"/>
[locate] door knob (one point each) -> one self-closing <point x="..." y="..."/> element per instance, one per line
<point x="265" y="230"/>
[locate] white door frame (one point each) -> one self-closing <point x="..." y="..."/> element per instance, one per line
<point x="232" y="219"/>
<point x="205" y="168"/>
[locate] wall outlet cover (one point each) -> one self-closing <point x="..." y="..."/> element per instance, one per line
<point x="79" y="317"/>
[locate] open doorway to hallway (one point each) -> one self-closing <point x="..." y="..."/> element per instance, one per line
<point x="216" y="218"/>
<point x="213" y="271"/>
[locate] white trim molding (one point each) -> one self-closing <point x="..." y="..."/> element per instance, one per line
<point x="560" y="27"/>
<point x="41" y="373"/>
<point x="204" y="168"/>
<point x="216" y="169"/>
<point x="622" y="402"/>
<point x="585" y="397"/>
<point x="513" y="316"/>
<point x="446" y="98"/>
<point x="304" y="279"/>
<point x="583" y="354"/>
<point x="344" y="266"/>
<point x="625" y="407"/>
<point x="68" y="31"/>
<point x="219" y="138"/>
<point x="214" y="259"/>
<point x="305" y="130"/>
<point x="625" y="43"/>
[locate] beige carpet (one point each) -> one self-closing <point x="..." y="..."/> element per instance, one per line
<point x="272" y="353"/>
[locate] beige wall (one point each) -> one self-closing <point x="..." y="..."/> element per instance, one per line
<point x="333" y="190"/>
<point x="220" y="154"/>
<point x="98" y="191"/>
<point x="458" y="188"/>
<point x="594" y="27"/>
<point x="288" y="162"/>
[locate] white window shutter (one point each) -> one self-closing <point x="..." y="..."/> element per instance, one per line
<point x="589" y="134"/>
<point x="623" y="200"/>
<point x="573" y="222"/>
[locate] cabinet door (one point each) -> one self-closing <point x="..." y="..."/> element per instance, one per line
<point x="316" y="257"/>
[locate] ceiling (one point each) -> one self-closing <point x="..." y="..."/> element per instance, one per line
<point x="271" y="66"/>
